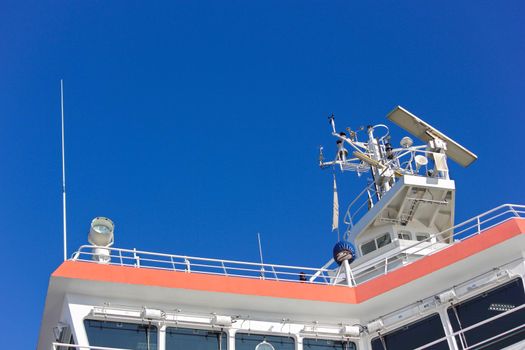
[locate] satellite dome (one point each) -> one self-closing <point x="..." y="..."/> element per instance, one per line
<point x="344" y="250"/>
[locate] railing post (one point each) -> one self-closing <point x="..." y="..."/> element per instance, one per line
<point x="173" y="263"/>
<point x="224" y="268"/>
<point x="188" y="265"/>
<point x="136" y="257"/>
<point x="478" y="224"/>
<point x="120" y="256"/>
<point x="275" y="273"/>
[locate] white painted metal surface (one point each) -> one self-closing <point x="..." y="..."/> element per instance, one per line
<point x="81" y="307"/>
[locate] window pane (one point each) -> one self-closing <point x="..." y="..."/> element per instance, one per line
<point x="368" y="247"/>
<point x="323" y="344"/>
<point x="421" y="236"/>
<point x="404" y="235"/>
<point x="383" y="240"/>
<point x="413" y="335"/>
<point x="245" y="341"/>
<point x="195" y="339"/>
<point x="490" y="304"/>
<point x="121" y="335"/>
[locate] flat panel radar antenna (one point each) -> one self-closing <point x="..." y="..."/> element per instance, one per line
<point x="427" y="133"/>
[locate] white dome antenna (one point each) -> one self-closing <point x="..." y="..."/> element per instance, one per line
<point x="420" y="161"/>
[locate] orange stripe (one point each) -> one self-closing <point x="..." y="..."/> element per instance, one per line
<point x="292" y="290"/>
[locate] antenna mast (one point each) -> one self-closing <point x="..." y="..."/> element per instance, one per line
<point x="260" y="254"/>
<point x="63" y="169"/>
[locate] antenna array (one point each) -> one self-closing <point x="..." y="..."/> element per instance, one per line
<point x="386" y="163"/>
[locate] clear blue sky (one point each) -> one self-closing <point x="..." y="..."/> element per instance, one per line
<point x="195" y="124"/>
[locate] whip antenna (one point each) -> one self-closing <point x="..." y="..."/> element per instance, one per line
<point x="260" y="254"/>
<point x="63" y="169"/>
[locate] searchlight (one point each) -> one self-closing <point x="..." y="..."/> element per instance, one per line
<point x="101" y="235"/>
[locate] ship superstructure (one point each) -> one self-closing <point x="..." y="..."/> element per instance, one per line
<point x="404" y="275"/>
<point x="409" y="197"/>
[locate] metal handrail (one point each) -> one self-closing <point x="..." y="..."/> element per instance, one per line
<point x="190" y="264"/>
<point x="128" y="257"/>
<point x="476" y="325"/>
<point x="479" y="223"/>
<point x="349" y="217"/>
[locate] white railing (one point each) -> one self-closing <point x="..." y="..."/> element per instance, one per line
<point x="461" y="333"/>
<point x="325" y="275"/>
<point x="191" y="264"/>
<point x="433" y="244"/>
<point x="362" y="202"/>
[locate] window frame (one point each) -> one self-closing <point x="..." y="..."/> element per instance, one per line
<point x="203" y="329"/>
<point x="421" y="234"/>
<point x="262" y="334"/>
<point x="130" y="322"/>
<point x="328" y="339"/>
<point x="452" y="313"/>
<point x="404" y="232"/>
<point x="376" y="244"/>
<point x="413" y="322"/>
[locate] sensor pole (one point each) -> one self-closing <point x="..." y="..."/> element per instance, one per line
<point x="63" y="170"/>
<point x="260" y="254"/>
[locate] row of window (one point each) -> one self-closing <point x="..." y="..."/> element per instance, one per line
<point x="144" y="337"/>
<point x="375" y="243"/>
<point x="463" y="315"/>
<point x="385" y="239"/>
<point x="419" y="236"/>
<point x="419" y="333"/>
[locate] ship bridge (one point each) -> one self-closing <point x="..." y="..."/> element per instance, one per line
<point x="466" y="294"/>
<point x="403" y="276"/>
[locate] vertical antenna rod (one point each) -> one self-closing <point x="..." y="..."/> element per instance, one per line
<point x="63" y="169"/>
<point x="260" y="248"/>
<point x="261" y="255"/>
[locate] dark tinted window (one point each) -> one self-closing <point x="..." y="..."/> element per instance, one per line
<point x="368" y="247"/>
<point x="323" y="344"/>
<point x="421" y="236"/>
<point x="413" y="335"/>
<point x="487" y="305"/>
<point x="121" y="335"/>
<point x="404" y="235"/>
<point x="383" y="240"/>
<point x="195" y="339"/>
<point x="244" y="341"/>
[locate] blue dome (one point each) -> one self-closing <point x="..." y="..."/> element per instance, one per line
<point x="344" y="250"/>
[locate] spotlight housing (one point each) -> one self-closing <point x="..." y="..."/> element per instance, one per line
<point x="101" y="232"/>
<point x="101" y="235"/>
